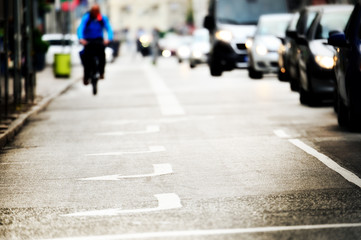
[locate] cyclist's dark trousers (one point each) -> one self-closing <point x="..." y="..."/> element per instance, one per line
<point x="91" y="50"/>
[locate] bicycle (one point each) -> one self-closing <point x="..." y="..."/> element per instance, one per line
<point x="92" y="51"/>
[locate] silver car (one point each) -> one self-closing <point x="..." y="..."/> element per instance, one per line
<point x="264" y="45"/>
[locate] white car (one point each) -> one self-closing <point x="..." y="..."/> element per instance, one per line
<point x="263" y="47"/>
<point x="200" y="47"/>
<point x="68" y="43"/>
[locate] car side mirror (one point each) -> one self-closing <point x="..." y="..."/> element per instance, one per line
<point x="291" y="34"/>
<point x="338" y="40"/>
<point x="209" y="23"/>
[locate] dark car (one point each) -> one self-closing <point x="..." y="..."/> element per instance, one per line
<point x="316" y="74"/>
<point x="285" y="50"/>
<point x="291" y="57"/>
<point x="348" y="71"/>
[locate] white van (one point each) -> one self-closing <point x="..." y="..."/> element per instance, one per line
<point x="230" y="23"/>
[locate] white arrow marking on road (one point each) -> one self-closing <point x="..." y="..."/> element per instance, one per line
<point x="166" y="201"/>
<point x="159" y="170"/>
<point x="152" y="149"/>
<point x="150" y="129"/>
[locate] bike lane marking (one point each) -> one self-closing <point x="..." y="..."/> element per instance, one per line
<point x="167" y="201"/>
<point x="167" y="101"/>
<point x="159" y="170"/>
<point x="152" y="149"/>
<point x="150" y="129"/>
<point x="346" y="174"/>
<point x="214" y="232"/>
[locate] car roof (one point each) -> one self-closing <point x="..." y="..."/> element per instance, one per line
<point x="329" y="7"/>
<point x="58" y="36"/>
<point x="277" y="16"/>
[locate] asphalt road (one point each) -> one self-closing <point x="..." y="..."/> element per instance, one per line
<point x="166" y="152"/>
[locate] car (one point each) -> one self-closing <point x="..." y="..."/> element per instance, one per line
<point x="230" y="23"/>
<point x="68" y="43"/>
<point x="264" y="45"/>
<point x="169" y="44"/>
<point x="200" y="47"/>
<point x="183" y="51"/>
<point x="316" y="74"/>
<point x="348" y="71"/>
<point x="291" y="56"/>
<point x="285" y="50"/>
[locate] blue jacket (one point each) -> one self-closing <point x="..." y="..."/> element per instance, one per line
<point x="93" y="29"/>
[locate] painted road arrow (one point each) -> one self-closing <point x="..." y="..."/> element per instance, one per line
<point x="152" y="149"/>
<point x="159" y="169"/>
<point x="166" y="201"/>
<point x="150" y="129"/>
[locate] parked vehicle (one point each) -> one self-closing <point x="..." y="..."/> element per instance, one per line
<point x="317" y="78"/>
<point x="285" y="50"/>
<point x="348" y="71"/>
<point x="199" y="48"/>
<point x="68" y="43"/>
<point x="291" y="57"/>
<point x="263" y="46"/>
<point x="230" y="22"/>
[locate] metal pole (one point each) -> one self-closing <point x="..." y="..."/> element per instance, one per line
<point x="6" y="52"/>
<point x="29" y="81"/>
<point x="17" y="53"/>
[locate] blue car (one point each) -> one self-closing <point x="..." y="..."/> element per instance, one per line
<point x="348" y="71"/>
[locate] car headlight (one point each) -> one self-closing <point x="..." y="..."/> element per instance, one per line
<point x="249" y="43"/>
<point x="197" y="54"/>
<point x="325" y="61"/>
<point x="145" y="40"/>
<point x="224" y="35"/>
<point x="261" y="50"/>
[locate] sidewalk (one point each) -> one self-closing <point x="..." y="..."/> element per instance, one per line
<point x="47" y="88"/>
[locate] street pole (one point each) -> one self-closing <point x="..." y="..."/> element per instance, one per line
<point x="17" y="53"/>
<point x="30" y="76"/>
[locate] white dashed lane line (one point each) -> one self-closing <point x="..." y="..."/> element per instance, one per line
<point x="213" y="232"/>
<point x="150" y="129"/>
<point x="348" y="175"/>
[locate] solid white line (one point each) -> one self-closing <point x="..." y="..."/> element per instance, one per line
<point x="159" y="170"/>
<point x="280" y="133"/>
<point x="152" y="149"/>
<point x="166" y="201"/>
<point x="168" y="102"/>
<point x="349" y="176"/>
<point x="150" y="129"/>
<point x="213" y="232"/>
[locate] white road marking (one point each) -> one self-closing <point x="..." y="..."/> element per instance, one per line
<point x="161" y="120"/>
<point x="213" y="232"/>
<point x="349" y="176"/>
<point x="152" y="149"/>
<point x="159" y="170"/>
<point x="150" y="129"/>
<point x="281" y="133"/>
<point x="166" y="201"/>
<point x="168" y="102"/>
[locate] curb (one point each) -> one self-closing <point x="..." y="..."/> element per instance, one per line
<point x="20" y="121"/>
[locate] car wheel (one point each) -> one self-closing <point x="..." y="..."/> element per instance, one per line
<point x="294" y="85"/>
<point x="254" y="74"/>
<point x="342" y="113"/>
<point x="215" y="68"/>
<point x="304" y="97"/>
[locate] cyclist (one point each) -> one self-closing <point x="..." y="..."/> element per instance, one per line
<point x="90" y="34"/>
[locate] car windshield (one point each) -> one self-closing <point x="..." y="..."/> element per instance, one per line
<point x="272" y="26"/>
<point x="332" y="21"/>
<point x="247" y="11"/>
